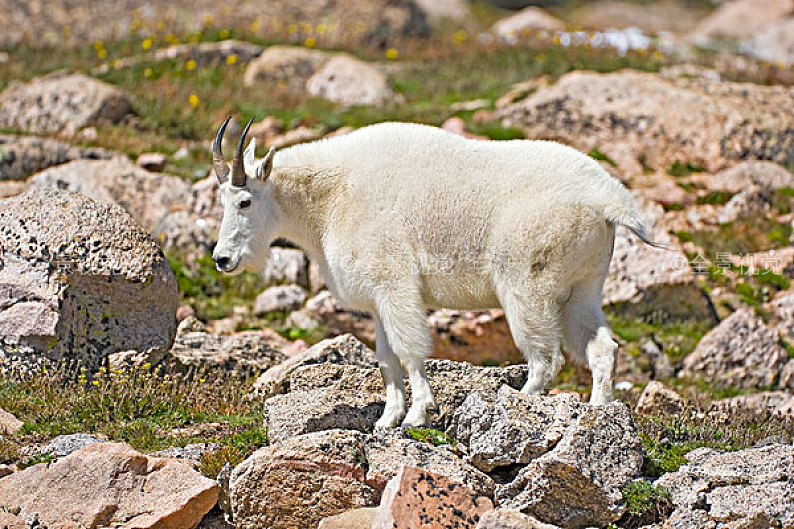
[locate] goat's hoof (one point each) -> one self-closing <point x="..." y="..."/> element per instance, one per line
<point x="388" y="423"/>
<point x="415" y="419"/>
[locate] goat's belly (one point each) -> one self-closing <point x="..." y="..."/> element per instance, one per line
<point x="465" y="291"/>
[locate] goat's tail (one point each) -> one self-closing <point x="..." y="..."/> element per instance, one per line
<point x="629" y="217"/>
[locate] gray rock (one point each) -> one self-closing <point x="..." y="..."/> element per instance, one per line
<point x="63" y="445"/>
<point x="302" y="320"/>
<point x="782" y="309"/>
<point x="387" y="452"/>
<point x="300" y="481"/>
<point x="147" y="196"/>
<point x="21" y="156"/>
<point x="349" y="81"/>
<point x="450" y="381"/>
<point x="774" y="43"/>
<point x="360" y="518"/>
<point x="283" y="298"/>
<point x="343" y="349"/>
<point x="326" y="308"/>
<point x="292" y="65"/>
<point x="578" y="483"/>
<point x="287" y="265"/>
<point x="61" y="103"/>
<point x="746" y="486"/>
<point x="742" y="351"/>
<point x="191" y="453"/>
<point x="512" y="428"/>
<point x="658" y="399"/>
<point x="747" y="203"/>
<point x="242" y="353"/>
<point x="80" y="281"/>
<point x="300" y="412"/>
<point x="745" y="175"/>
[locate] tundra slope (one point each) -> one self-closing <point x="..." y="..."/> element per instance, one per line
<point x="404" y="216"/>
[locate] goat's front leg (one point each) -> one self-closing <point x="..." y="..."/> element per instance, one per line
<point x="405" y="326"/>
<point x="392" y="372"/>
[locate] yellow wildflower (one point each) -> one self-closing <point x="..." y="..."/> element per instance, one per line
<point x="223" y="34"/>
<point x="392" y="54"/>
<point x="231" y="59"/>
<point x="147" y="72"/>
<point x="194" y="102"/>
<point x="147" y="44"/>
<point x="310" y="42"/>
<point x="190" y="65"/>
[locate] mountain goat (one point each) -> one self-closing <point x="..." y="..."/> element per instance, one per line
<point x="401" y="216"/>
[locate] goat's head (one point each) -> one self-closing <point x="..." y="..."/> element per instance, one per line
<point x="249" y="214"/>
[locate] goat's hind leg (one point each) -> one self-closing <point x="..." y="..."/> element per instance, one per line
<point x="392" y="372"/>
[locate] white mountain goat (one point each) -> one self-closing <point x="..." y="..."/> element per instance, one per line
<point x="400" y="217"/>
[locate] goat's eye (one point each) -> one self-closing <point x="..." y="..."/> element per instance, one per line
<point x="245" y="203"/>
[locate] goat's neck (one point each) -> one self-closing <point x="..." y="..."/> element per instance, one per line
<point x="305" y="197"/>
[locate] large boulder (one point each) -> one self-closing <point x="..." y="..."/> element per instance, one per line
<point x="80" y="280"/>
<point x="300" y="481"/>
<point x="528" y="19"/>
<point x="735" y="488"/>
<point x="739" y="19"/>
<point x="291" y="65"/>
<point x="578" y="457"/>
<point x="147" y="196"/>
<point x="660" y="121"/>
<point x="774" y="43"/>
<point x="61" y="103"/>
<point x="110" y="485"/>
<point x="742" y="351"/>
<point x="350" y="81"/>
<point x="8" y="423"/>
<point x="283" y="298"/>
<point x="749" y="175"/>
<point x="21" y="156"/>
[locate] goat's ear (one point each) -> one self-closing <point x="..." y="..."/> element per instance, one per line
<point x="249" y="157"/>
<point x="265" y="167"/>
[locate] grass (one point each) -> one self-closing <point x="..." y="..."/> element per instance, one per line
<point x="680" y="169"/>
<point x="601" y="157"/>
<point x="149" y="409"/>
<point x="646" y="504"/>
<point x="678" y="338"/>
<point x="750" y="235"/>
<point x="430" y="435"/>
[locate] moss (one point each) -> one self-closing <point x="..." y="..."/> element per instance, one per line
<point x="430" y="435"/>
<point x="601" y="157"/>
<point x="714" y="198"/>
<point x="646" y="504"/>
<point x="679" y="169"/>
<point x="673" y="206"/>
<point x="35" y="460"/>
<point x="683" y="236"/>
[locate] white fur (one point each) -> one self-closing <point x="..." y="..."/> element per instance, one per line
<point x="402" y="216"/>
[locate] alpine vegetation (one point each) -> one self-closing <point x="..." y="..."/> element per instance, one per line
<point x="402" y="216"/>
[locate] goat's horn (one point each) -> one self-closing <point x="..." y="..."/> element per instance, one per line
<point x="238" y="169"/>
<point x="218" y="163"/>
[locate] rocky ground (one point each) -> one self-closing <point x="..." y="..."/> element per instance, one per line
<point x="140" y="388"/>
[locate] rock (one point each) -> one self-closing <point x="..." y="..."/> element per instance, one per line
<point x="689" y="120"/>
<point x="266" y="131"/>
<point x="242" y="353"/>
<point x="191" y="453"/>
<point x="528" y="19"/>
<point x="578" y="482"/>
<point x="360" y="518"/>
<point x="61" y="103"/>
<point x="652" y="17"/>
<point x="212" y="53"/>
<point x="773" y="43"/>
<point x="283" y="298"/>
<point x="302" y="320"/>
<point x="7" y="470"/>
<point x="658" y="399"/>
<point x="478" y="337"/>
<point x="719" y="487"/>
<point x="292" y="65"/>
<point x="9" y="521"/>
<point x="451" y="382"/>
<point x="751" y="174"/>
<point x="147" y="196"/>
<point x="296" y="136"/>
<point x="349" y="81"/>
<point x="63" y="445"/>
<point x="782" y="308"/>
<point x="419" y="498"/>
<point x="152" y="161"/>
<point x="436" y="10"/>
<point x="214" y="520"/>
<point x="110" y="485"/>
<point x="300" y="481"/>
<point x="747" y="203"/>
<point x="183" y="312"/>
<point x="507" y="519"/>
<point x="511" y="427"/>
<point x="457" y="126"/>
<point x="81" y="280"/>
<point x="387" y="452"/>
<point x="9" y="425"/>
<point x="742" y="351"/>
<point x="739" y="19"/>
<point x="777" y="402"/>
<point x="287" y="265"/>
<point x="326" y="308"/>
<point x="21" y="156"/>
<point x="645" y="280"/>
<point x="343" y="349"/>
<point x="300" y="412"/>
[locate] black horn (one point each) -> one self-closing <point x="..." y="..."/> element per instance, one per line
<point x="218" y="163"/>
<point x="238" y="169"/>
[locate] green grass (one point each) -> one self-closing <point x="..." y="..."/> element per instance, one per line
<point x="234" y="448"/>
<point x="679" y="169"/>
<point x="750" y="235"/>
<point x="646" y="504"/>
<point x="430" y="435"/>
<point x="714" y="198"/>
<point x="678" y="338"/>
<point x="212" y="294"/>
<point x="139" y="406"/>
<point x="601" y="157"/>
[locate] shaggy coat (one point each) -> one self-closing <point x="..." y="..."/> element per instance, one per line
<point x="401" y="217"/>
